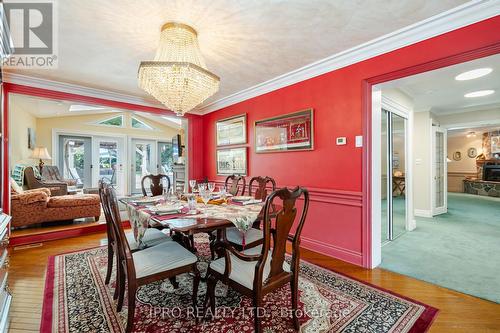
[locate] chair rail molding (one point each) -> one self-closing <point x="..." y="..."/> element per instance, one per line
<point x="455" y="18"/>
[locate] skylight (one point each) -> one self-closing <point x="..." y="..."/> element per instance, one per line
<point x="176" y="120"/>
<point x="81" y="107"/>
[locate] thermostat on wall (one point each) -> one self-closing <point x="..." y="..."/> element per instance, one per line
<point x="341" y="141"/>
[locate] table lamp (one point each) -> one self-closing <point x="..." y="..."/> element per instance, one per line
<point x="41" y="153"/>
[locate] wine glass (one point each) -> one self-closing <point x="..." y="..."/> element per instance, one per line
<point x="192" y="183"/>
<point x="202" y="186"/>
<point x="211" y="187"/>
<point x="205" y="196"/>
<point x="222" y="190"/>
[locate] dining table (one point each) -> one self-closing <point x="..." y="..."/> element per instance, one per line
<point x="184" y="223"/>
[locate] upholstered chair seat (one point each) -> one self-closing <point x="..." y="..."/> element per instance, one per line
<point x="164" y="257"/>
<point x="252" y="236"/>
<point x="243" y="272"/>
<point x="152" y="237"/>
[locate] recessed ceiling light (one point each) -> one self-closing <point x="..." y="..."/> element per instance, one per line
<point x="473" y="74"/>
<point x="479" y="93"/>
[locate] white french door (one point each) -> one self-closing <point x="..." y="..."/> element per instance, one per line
<point x="143" y="161"/>
<point x="439" y="168"/>
<point x="108" y="161"/>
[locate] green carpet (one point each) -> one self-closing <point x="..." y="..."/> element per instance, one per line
<point x="459" y="250"/>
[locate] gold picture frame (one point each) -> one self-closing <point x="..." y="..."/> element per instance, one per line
<point x="231" y="131"/>
<point x="231" y="161"/>
<point x="289" y="132"/>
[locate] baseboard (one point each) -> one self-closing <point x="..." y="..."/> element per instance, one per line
<point x="330" y="250"/>
<point x="423" y="213"/>
<point x="59" y="234"/>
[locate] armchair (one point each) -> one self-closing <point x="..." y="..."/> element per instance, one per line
<point x="32" y="182"/>
<point x="51" y="173"/>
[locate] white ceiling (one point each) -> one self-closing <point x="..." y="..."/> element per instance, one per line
<point x="101" y="43"/>
<point x="46" y="108"/>
<point x="439" y="92"/>
<point x="477" y="130"/>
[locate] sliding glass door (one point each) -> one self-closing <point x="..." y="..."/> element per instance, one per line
<point x="394" y="173"/>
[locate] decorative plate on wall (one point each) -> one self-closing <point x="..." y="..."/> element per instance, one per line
<point x="457" y="156"/>
<point x="472" y="152"/>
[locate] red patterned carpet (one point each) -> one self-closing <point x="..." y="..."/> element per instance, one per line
<point x="76" y="300"/>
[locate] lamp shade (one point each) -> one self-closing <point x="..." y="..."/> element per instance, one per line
<point x="41" y="153"/>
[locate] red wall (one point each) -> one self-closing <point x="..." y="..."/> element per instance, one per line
<point x="333" y="173"/>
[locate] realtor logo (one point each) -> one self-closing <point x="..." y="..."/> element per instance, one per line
<point x="33" y="30"/>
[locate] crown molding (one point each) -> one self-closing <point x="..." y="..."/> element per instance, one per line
<point x="458" y="17"/>
<point x="76" y="89"/>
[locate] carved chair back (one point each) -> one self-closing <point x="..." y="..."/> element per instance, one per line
<point x="107" y="214"/>
<point x="124" y="252"/>
<point x="156" y="186"/>
<point x="232" y="184"/>
<point x="278" y="230"/>
<point x="261" y="190"/>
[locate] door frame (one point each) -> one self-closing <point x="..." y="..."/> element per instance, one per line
<point x="56" y="132"/>
<point x="369" y="155"/>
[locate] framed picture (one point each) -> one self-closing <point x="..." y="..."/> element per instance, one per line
<point x="457" y="156"/>
<point x="472" y="152"/>
<point x="495" y="144"/>
<point x="31" y="138"/>
<point x="290" y="132"/>
<point x="231" y="131"/>
<point x="232" y="161"/>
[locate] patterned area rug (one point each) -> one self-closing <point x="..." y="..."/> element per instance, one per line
<point x="76" y="300"/>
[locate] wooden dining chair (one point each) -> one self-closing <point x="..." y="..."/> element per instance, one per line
<point x="151" y="237"/>
<point x="261" y="190"/>
<point x="156" y="186"/>
<point x="254" y="236"/>
<point x="261" y="270"/>
<point x="166" y="260"/>
<point x="232" y="184"/>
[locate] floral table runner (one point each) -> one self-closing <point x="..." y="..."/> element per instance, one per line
<point x="142" y="216"/>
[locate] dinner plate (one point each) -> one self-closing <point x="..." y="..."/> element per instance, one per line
<point x="243" y="198"/>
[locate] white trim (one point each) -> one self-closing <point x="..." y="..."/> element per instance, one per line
<point x="376" y="178"/>
<point x="77" y="89"/>
<point x="455" y="18"/>
<point x="422" y="213"/>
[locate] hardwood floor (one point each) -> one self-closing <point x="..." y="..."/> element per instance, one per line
<point x="458" y="312"/>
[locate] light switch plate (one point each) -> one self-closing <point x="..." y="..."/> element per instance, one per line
<point x="341" y="141"/>
<point x="359" y="141"/>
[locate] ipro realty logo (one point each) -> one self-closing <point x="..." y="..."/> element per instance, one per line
<point x="33" y="28"/>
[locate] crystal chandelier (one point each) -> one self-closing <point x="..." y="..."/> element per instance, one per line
<point x="178" y="76"/>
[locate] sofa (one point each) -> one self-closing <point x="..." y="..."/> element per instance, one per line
<point x="38" y="205"/>
<point x="33" y="181"/>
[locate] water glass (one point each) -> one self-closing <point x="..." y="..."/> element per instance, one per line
<point x="211" y="187"/>
<point x="223" y="193"/>
<point x="202" y="186"/>
<point x="191" y="199"/>
<point x="192" y="184"/>
<point x="205" y="196"/>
